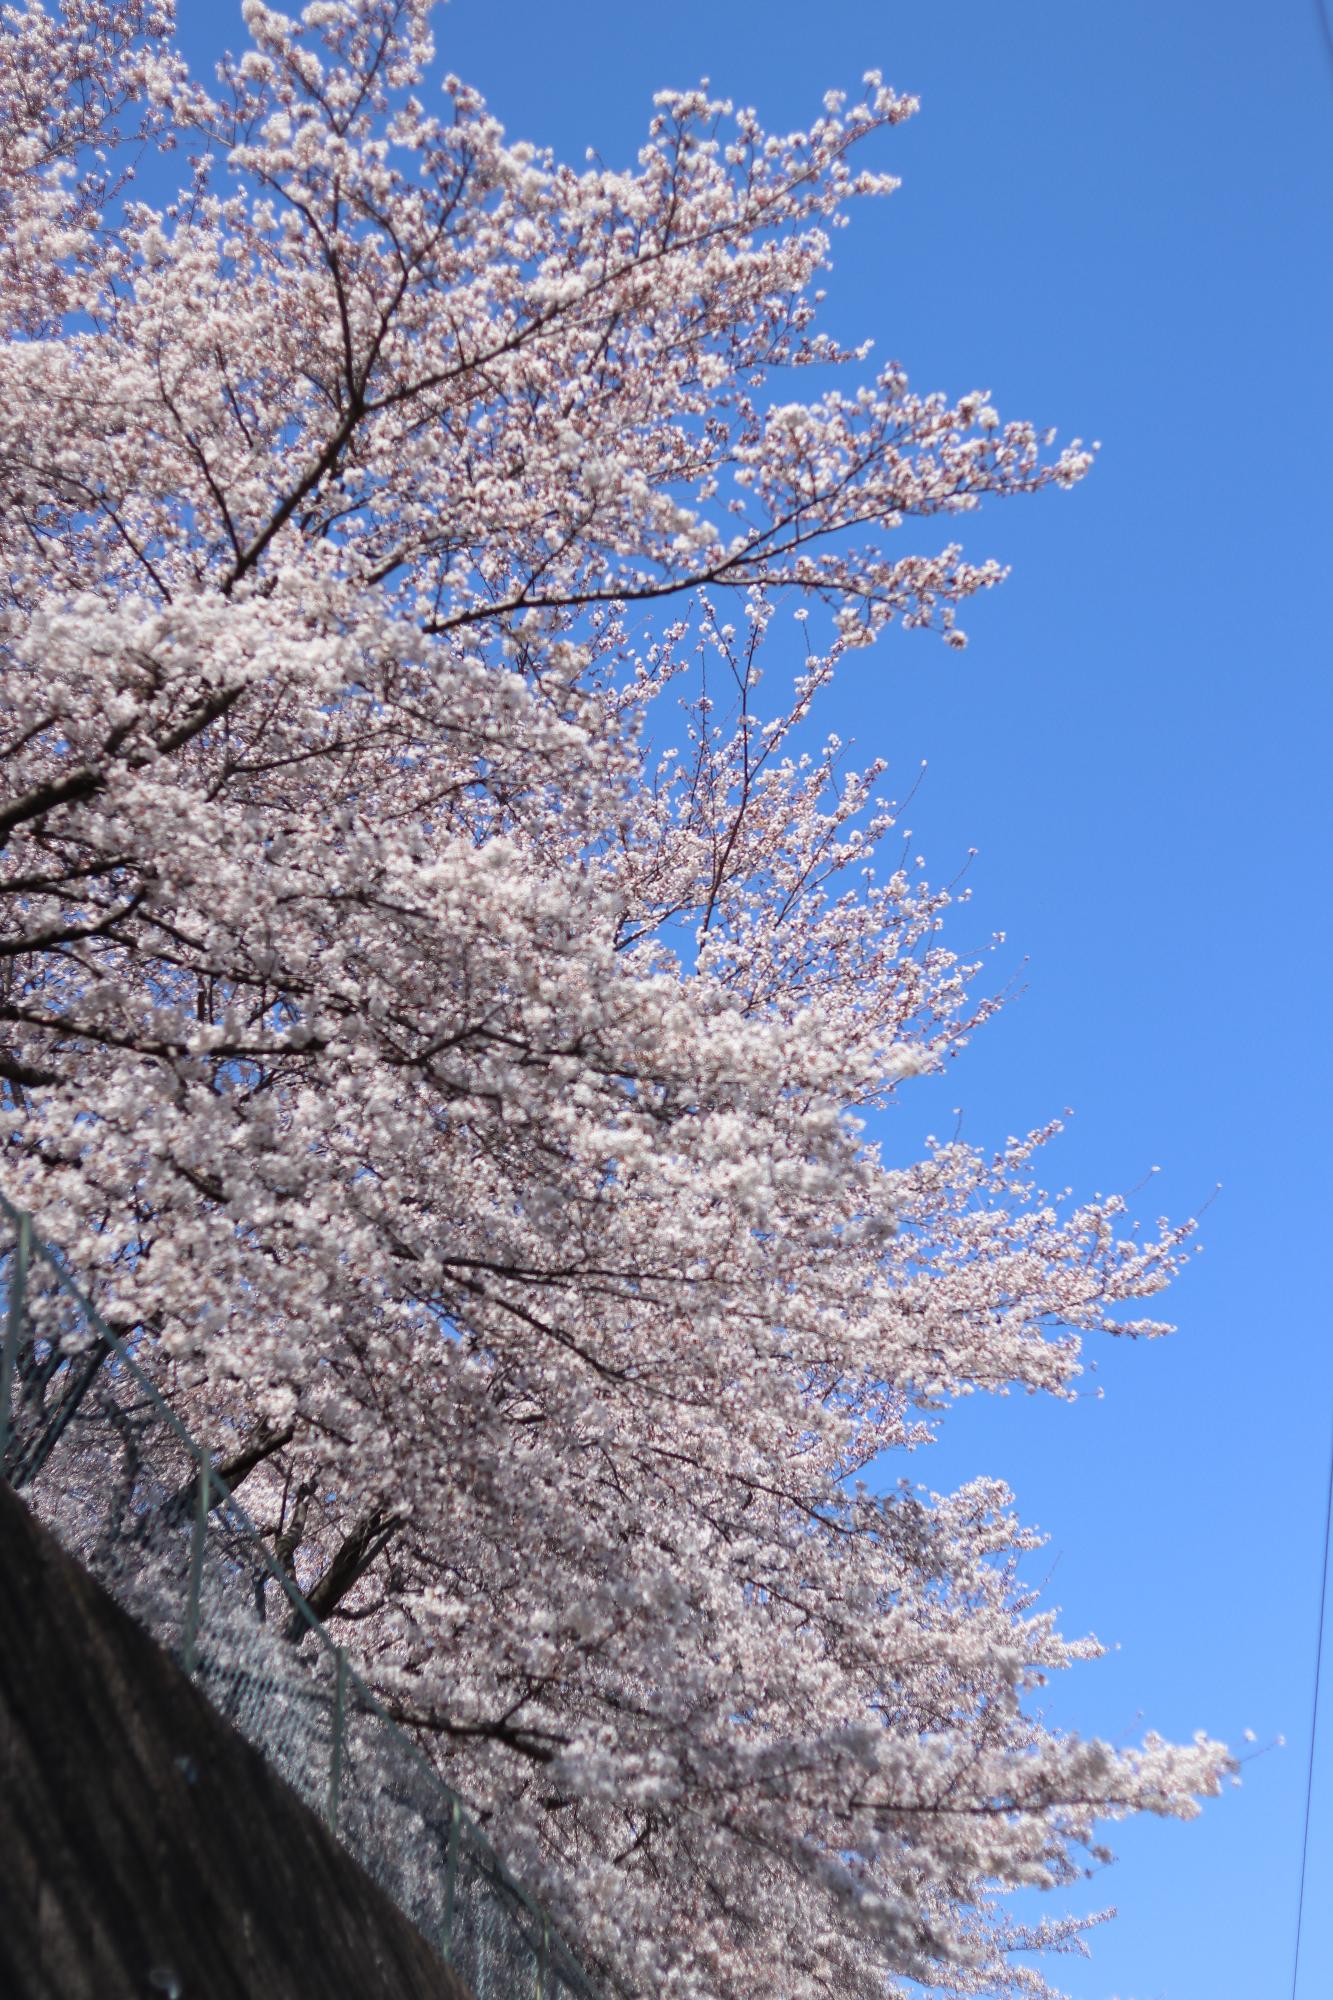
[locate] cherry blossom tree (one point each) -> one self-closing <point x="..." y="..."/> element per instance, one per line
<point x="442" y="1001"/>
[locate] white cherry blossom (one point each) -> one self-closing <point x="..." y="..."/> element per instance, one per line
<point x="442" y="1002"/>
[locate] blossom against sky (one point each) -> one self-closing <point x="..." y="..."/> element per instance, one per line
<point x="1117" y="221"/>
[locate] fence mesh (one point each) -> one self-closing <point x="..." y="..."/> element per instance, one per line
<point x="102" y="1459"/>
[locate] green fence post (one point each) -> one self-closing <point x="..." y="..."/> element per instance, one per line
<point x="203" y="1500"/>
<point x="450" y="1880"/>
<point x="18" y="1288"/>
<point x="543" y="1958"/>
<point x="339" y="1711"/>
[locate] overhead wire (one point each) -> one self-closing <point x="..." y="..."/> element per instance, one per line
<point x="1325" y="22"/>
<point x="1314" y="1723"/>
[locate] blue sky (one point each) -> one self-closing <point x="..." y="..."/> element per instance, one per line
<point x="1117" y="219"/>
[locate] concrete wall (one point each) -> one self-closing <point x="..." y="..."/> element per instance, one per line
<point x="145" y="1848"/>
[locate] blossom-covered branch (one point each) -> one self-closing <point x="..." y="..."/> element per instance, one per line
<point x="440" y="995"/>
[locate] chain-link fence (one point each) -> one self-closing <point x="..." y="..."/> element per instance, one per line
<point x="101" y="1458"/>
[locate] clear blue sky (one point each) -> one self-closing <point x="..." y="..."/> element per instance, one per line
<point x="1120" y="220"/>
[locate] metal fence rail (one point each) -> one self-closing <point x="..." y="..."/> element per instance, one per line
<point x="138" y="1501"/>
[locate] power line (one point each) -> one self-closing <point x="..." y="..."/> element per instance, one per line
<point x="1325" y="27"/>
<point x="1314" y="1714"/>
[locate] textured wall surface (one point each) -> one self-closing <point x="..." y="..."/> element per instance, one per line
<point x="145" y="1848"/>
